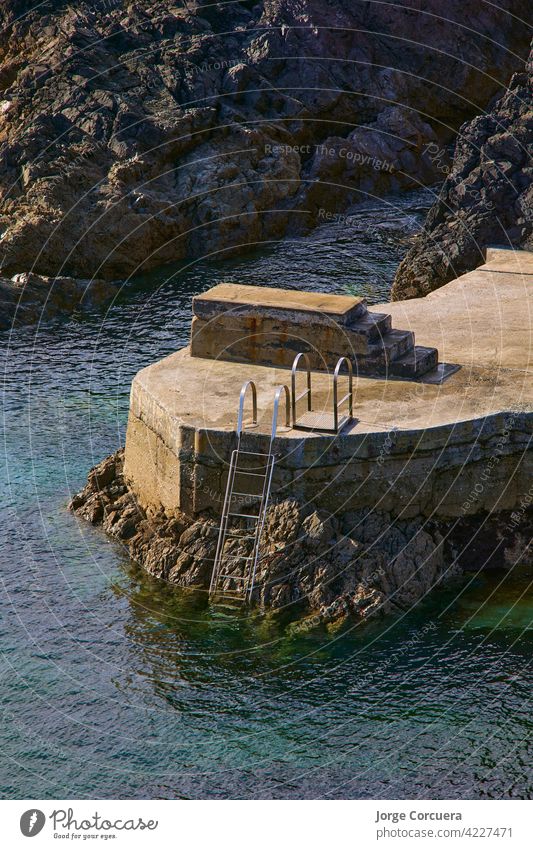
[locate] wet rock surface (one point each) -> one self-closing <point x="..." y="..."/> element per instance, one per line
<point x="320" y="566"/>
<point x="28" y="298"/>
<point x="487" y="197"/>
<point x="135" y="134"/>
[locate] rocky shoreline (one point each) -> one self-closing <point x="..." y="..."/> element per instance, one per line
<point x="136" y="134"/>
<point x="30" y="298"/>
<point x="487" y="198"/>
<point x="320" y="567"/>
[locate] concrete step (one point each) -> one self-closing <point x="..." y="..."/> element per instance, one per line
<point x="289" y="305"/>
<point x="270" y="326"/>
<point x="415" y="363"/>
<point x="393" y="345"/>
<point x="373" y="325"/>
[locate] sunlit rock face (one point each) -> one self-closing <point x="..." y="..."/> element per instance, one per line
<point x="487" y="198"/>
<point x="135" y="134"/>
<point x="319" y="566"/>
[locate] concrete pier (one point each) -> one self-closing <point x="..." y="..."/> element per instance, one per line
<point x="418" y="445"/>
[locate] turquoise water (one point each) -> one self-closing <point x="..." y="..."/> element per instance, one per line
<point x="116" y="685"/>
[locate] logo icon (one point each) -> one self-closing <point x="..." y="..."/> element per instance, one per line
<point x="32" y="822"/>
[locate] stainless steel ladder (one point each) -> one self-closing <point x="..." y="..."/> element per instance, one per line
<point x="247" y="465"/>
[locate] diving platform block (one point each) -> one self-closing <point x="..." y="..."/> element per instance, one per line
<point x="270" y="326"/>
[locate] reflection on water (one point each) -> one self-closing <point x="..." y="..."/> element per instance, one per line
<point x="116" y="685"/>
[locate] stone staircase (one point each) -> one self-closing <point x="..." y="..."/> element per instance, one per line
<point x="270" y="326"/>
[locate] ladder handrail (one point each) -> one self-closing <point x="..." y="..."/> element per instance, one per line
<point x="254" y="557"/>
<point x="249" y="384"/>
<point x="267" y="484"/>
<point x="224" y="520"/>
<point x="349" y="394"/>
<point x="277" y="396"/>
<point x="307" y="391"/>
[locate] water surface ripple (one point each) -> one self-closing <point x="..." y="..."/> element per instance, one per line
<point x="117" y="686"/>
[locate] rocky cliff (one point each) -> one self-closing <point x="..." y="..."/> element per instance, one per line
<point x="487" y="197"/>
<point x="133" y="134"/>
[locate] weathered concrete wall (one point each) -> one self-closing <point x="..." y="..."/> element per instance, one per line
<point x="370" y="347"/>
<point x="362" y="563"/>
<point x="451" y="470"/>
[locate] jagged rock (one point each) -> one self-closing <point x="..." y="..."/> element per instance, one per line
<point x="487" y="198"/>
<point x="136" y="133"/>
<point x="28" y="298"/>
<point x="323" y="567"/>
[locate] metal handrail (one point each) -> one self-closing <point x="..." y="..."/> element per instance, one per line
<point x="224" y="519"/>
<point x="306" y="392"/>
<point x="277" y="396"/>
<point x="245" y="387"/>
<point x="265" y="495"/>
<point x="349" y="394"/>
<point x="267" y="483"/>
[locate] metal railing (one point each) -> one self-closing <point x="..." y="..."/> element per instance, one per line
<point x="248" y="385"/>
<point x="264" y="472"/>
<point x="307" y="392"/>
<point x="330" y="422"/>
<point x="348" y="397"/>
<point x="277" y="397"/>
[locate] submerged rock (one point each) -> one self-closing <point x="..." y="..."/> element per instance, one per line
<point x="487" y="198"/>
<point x="321" y="566"/>
<point x="29" y="298"/>
<point x="137" y="133"/>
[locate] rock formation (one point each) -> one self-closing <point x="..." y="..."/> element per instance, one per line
<point x="28" y="298"/>
<point x="133" y="134"/>
<point x="487" y="197"/>
<point x="321" y="566"/>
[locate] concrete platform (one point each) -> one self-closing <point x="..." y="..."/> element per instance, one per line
<point x="414" y="448"/>
<point x="255" y="300"/>
<point x="206" y="395"/>
<point x="481" y="319"/>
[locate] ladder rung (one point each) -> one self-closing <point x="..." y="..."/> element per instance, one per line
<point x="233" y="577"/>
<point x="244" y="516"/>
<point x="251" y="474"/>
<point x="234" y="536"/>
<point x="255" y="453"/>
<point x="235" y="597"/>
<point x="247" y="494"/>
<point x="237" y="557"/>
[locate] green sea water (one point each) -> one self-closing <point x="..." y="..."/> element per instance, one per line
<point x="115" y="685"/>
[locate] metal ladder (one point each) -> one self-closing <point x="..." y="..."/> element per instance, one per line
<point x="246" y="466"/>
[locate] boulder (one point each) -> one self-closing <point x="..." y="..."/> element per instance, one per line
<point x="29" y="298"/>
<point x="136" y="134"/>
<point x="486" y="199"/>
